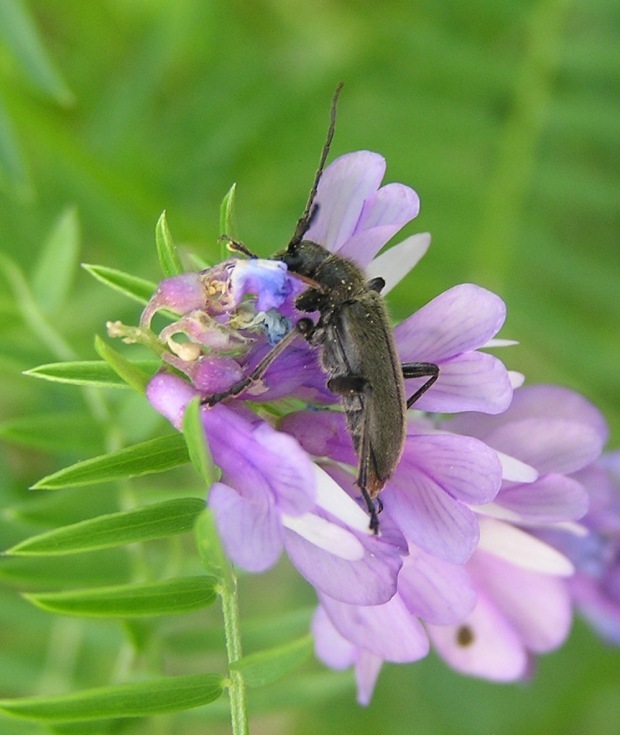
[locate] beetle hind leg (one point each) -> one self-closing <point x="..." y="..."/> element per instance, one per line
<point x="369" y="484"/>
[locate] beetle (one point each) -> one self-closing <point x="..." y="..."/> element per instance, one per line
<point x="357" y="350"/>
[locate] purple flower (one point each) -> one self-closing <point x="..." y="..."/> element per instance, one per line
<point x="271" y="495"/>
<point x="438" y="478"/>
<point x="595" y="552"/>
<point x="289" y="471"/>
<point x="524" y="605"/>
<point x="363" y="637"/>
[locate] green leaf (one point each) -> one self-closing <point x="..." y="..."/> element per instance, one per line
<point x="197" y="445"/>
<point x="89" y="372"/>
<point x="51" y="280"/>
<point x="13" y="170"/>
<point x="152" y="697"/>
<point x="53" y="432"/>
<point x="265" y="667"/>
<point x="143" y="524"/>
<point x="170" y="597"/>
<point x="156" y="455"/>
<point x="20" y="34"/>
<point x="86" y="570"/>
<point x="128" y="371"/>
<point x="135" y="288"/>
<point x="228" y="226"/>
<point x="166" y="249"/>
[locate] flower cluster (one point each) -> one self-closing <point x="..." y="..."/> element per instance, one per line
<point x="478" y="533"/>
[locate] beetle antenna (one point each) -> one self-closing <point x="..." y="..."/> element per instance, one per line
<point x="311" y="208"/>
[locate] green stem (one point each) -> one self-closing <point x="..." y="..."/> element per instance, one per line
<point x="232" y="631"/>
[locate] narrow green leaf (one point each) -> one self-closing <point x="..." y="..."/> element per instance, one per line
<point x="143" y="524"/>
<point x="145" y="458"/>
<point x="197" y="445"/>
<point x="89" y="372"/>
<point x="20" y="34"/>
<point x="53" y="432"/>
<point x="144" y="698"/>
<point x="171" y="597"/>
<point x="96" y="569"/>
<point x="166" y="249"/>
<point x="265" y="667"/>
<point x="135" y="288"/>
<point x="57" y="263"/>
<point x="228" y="225"/>
<point x="13" y="171"/>
<point x="128" y="371"/>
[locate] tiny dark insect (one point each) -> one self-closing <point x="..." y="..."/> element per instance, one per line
<point x="354" y="337"/>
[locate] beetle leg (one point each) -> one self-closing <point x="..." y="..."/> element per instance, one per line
<point x="357" y="385"/>
<point x="258" y="372"/>
<point x="420" y="370"/>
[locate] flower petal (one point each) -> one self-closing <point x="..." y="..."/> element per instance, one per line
<point x="461" y="319"/>
<point x="330" y="646"/>
<point x="326" y="535"/>
<point x="435" y="590"/>
<point x="389" y="630"/>
<point x="261" y="459"/>
<point x="383" y="214"/>
<point x="463" y="467"/>
<point x="484" y="644"/>
<point x="249" y="527"/>
<point x="473" y="381"/>
<point x="397" y="261"/>
<point x="369" y="581"/>
<point x="551" y="499"/>
<point x="431" y="519"/>
<point x="521" y="548"/>
<point x="170" y="395"/>
<point x="343" y="189"/>
<point x="538" y="606"/>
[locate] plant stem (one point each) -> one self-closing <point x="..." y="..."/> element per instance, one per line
<point x="232" y="631"/>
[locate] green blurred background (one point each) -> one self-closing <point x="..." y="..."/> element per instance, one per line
<point x="504" y="115"/>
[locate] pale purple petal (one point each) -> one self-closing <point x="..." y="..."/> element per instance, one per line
<point x="383" y="214"/>
<point x="367" y="669"/>
<point x="461" y="319"/>
<point x="431" y="519"/>
<point x="521" y="549"/>
<point x="260" y="458"/>
<point x="473" y="381"/>
<point x="170" y="395"/>
<point x="369" y="581"/>
<point x="394" y="264"/>
<point x="549" y="444"/>
<point x="537" y="606"/>
<point x="343" y="189"/>
<point x="463" y="467"/>
<point x="181" y="294"/>
<point x="389" y="631"/>
<point x="321" y="433"/>
<point x="435" y="590"/>
<point x="484" y="644"/>
<point x="541" y="404"/>
<point x="326" y="536"/>
<point x="332" y="648"/>
<point x="361" y="247"/>
<point x="551" y="499"/>
<point x="249" y="527"/>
